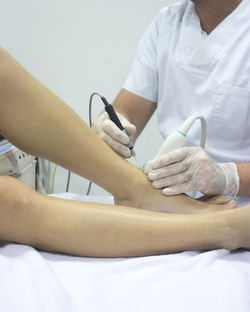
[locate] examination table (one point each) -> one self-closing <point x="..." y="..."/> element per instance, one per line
<point x="34" y="281"/>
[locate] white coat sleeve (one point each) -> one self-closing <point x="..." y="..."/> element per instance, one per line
<point x="143" y="78"/>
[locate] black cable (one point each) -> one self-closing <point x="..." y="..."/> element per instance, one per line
<point x="68" y="181"/>
<point x="89" y="188"/>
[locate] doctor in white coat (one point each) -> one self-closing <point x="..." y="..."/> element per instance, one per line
<point x="193" y="60"/>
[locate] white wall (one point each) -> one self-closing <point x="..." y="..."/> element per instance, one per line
<point x="76" y="47"/>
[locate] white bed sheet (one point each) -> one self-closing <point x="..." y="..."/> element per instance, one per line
<point x="34" y="281"/>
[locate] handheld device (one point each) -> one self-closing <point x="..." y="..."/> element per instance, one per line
<point x="113" y="116"/>
<point x="178" y="139"/>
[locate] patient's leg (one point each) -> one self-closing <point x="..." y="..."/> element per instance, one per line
<point x="55" y="132"/>
<point x="239" y="224"/>
<point x="98" y="230"/>
<point x="143" y="196"/>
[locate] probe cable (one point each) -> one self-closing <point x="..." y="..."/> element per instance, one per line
<point x="90" y="124"/>
<point x="112" y="115"/>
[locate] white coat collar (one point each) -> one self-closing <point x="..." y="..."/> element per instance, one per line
<point x="207" y="50"/>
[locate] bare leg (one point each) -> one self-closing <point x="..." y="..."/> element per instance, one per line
<point x="143" y="196"/>
<point x="37" y="121"/>
<point x="239" y="225"/>
<point x="89" y="229"/>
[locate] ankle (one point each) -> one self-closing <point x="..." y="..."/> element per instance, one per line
<point x="232" y="230"/>
<point x="133" y="194"/>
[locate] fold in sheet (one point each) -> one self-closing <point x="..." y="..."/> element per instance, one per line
<point x="189" y="281"/>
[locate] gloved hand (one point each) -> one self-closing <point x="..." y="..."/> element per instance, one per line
<point x="191" y="169"/>
<point x="112" y="135"/>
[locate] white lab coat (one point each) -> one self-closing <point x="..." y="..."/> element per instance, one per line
<point x="187" y="72"/>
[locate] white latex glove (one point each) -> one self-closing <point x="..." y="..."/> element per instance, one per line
<point x="112" y="135"/>
<point x="191" y="169"/>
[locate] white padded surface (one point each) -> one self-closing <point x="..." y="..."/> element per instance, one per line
<point x="188" y="281"/>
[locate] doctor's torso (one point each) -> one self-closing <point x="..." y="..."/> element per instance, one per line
<point x="207" y="75"/>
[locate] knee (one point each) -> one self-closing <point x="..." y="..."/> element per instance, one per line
<point x="6" y="186"/>
<point x="13" y="193"/>
<point x="15" y="200"/>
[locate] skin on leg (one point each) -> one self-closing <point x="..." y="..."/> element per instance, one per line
<point x="38" y="122"/>
<point x="45" y="126"/>
<point x="96" y="230"/>
<point x="148" y="198"/>
<point x="41" y="124"/>
<point x="240" y="227"/>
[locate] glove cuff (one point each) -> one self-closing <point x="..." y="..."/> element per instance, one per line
<point x="232" y="180"/>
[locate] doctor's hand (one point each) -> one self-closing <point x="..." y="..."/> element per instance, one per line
<point x="112" y="135"/>
<point x="191" y="169"/>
